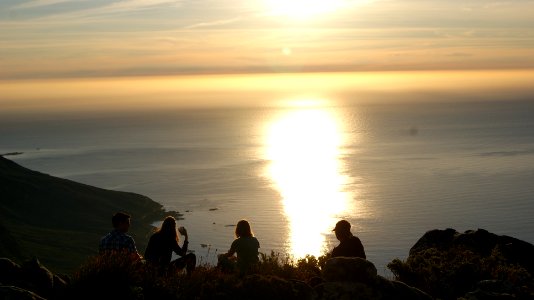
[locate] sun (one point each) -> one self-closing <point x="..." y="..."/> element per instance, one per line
<point x="303" y="9"/>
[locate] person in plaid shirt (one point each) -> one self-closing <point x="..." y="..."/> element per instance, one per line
<point x="117" y="239"/>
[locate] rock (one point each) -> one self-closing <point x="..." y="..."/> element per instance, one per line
<point x="496" y="286"/>
<point x="302" y="290"/>
<point x="479" y="241"/>
<point x="492" y="289"/>
<point x="9" y="271"/>
<point x="356" y="278"/>
<point x="315" y="281"/>
<point x="436" y="238"/>
<point x="271" y="287"/>
<point x="449" y="264"/>
<point x="345" y="290"/>
<point x="37" y="277"/>
<point x="16" y="293"/>
<point x="392" y="290"/>
<point x="383" y="289"/>
<point x="485" y="295"/>
<point x="351" y="269"/>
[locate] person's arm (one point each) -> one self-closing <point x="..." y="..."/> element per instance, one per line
<point x="233" y="249"/>
<point x="362" y="251"/>
<point x="335" y="252"/>
<point x="182" y="251"/>
<point x="101" y="246"/>
<point x="133" y="249"/>
<point x="149" y="248"/>
<point x="358" y="248"/>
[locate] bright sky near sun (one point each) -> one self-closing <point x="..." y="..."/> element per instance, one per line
<point x="88" y="38"/>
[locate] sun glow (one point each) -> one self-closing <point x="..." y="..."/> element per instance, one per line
<point x="303" y="147"/>
<point x="303" y="9"/>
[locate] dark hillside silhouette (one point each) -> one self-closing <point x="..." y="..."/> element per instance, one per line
<point x="61" y="221"/>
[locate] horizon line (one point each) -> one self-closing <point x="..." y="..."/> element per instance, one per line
<point x="255" y="71"/>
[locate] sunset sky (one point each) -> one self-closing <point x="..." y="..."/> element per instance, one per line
<point x="102" y="38"/>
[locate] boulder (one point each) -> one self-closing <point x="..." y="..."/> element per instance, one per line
<point x="351" y="269"/>
<point x="479" y="241"/>
<point x="345" y="290"/>
<point x="356" y="278"/>
<point x="436" y="238"/>
<point x="13" y="292"/>
<point x="9" y="271"/>
<point x="37" y="278"/>
<point x="393" y="290"/>
<point x="272" y="287"/>
<point x="493" y="289"/>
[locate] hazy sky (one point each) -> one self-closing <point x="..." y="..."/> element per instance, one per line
<point x="65" y="38"/>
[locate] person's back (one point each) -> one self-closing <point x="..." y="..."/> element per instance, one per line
<point x="246" y="248"/>
<point x="117" y="240"/>
<point x="159" y="249"/>
<point x="164" y="242"/>
<point x="349" y="245"/>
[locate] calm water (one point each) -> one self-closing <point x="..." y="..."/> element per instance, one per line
<point x="393" y="170"/>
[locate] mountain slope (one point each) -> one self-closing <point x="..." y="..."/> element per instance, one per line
<point x="61" y="221"/>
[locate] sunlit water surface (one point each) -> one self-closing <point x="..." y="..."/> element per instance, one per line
<point x="393" y="170"/>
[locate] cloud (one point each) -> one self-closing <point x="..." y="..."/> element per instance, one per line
<point x="40" y="3"/>
<point x="67" y="11"/>
<point x="215" y="23"/>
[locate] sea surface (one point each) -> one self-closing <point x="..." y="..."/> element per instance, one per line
<point x="393" y="170"/>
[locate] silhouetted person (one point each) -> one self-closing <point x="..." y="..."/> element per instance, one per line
<point x="117" y="240"/>
<point x="349" y="245"/>
<point x="245" y="246"/>
<point x="165" y="241"/>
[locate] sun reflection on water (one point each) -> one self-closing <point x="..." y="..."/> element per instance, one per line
<point x="303" y="146"/>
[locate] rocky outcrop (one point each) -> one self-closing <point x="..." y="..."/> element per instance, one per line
<point x="356" y="278"/>
<point x="493" y="290"/>
<point x="32" y="277"/>
<point x="271" y="287"/>
<point x="9" y="271"/>
<point x="474" y="265"/>
<point x="344" y="269"/>
<point x="479" y="241"/>
<point x="13" y="292"/>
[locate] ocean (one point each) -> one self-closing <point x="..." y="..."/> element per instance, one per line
<point x="394" y="170"/>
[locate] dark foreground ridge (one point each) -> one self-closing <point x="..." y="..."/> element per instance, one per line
<point x="61" y="221"/>
<point x="443" y="264"/>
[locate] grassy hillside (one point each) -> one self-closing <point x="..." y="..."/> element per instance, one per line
<point x="61" y="221"/>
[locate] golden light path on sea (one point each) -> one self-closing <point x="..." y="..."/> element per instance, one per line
<point x="303" y="147"/>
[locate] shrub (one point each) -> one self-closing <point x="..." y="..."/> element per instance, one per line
<point x="117" y="276"/>
<point x="451" y="273"/>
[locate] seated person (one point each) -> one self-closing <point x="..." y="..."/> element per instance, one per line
<point x="245" y="246"/>
<point x="117" y="240"/>
<point x="349" y="245"/>
<point x="165" y="241"/>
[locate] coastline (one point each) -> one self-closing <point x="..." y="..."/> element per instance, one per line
<point x="77" y="216"/>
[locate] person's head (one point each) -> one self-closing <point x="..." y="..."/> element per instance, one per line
<point x="168" y="228"/>
<point x="121" y="221"/>
<point x="342" y="230"/>
<point x="243" y="229"/>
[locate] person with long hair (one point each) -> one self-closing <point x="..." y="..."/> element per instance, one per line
<point x="164" y="242"/>
<point x="245" y="246"/>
